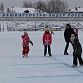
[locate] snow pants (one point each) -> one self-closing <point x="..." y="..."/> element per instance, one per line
<point x="76" y="58"/>
<point x="45" y="50"/>
<point x="25" y="50"/>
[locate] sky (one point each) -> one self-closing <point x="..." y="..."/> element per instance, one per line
<point x="18" y="3"/>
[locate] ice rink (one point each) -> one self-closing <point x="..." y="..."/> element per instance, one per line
<point x="37" y="68"/>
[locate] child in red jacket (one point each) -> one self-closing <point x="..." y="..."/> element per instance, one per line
<point x="47" y="40"/>
<point x="26" y="40"/>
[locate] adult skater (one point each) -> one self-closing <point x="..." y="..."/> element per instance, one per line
<point x="67" y="34"/>
<point x="77" y="50"/>
<point x="47" y="40"/>
<point x="26" y="40"/>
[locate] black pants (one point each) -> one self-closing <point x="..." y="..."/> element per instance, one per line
<point x="77" y="58"/>
<point x="66" y="47"/>
<point x="45" y="50"/>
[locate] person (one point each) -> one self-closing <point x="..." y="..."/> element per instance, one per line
<point x="26" y="40"/>
<point x="76" y="31"/>
<point x="47" y="40"/>
<point x="67" y="34"/>
<point x="77" y="50"/>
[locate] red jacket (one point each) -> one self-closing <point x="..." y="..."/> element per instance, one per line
<point x="47" y="38"/>
<point x="26" y="40"/>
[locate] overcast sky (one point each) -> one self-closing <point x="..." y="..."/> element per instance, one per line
<point x="18" y="3"/>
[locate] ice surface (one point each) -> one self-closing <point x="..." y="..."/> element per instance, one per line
<point x="37" y="68"/>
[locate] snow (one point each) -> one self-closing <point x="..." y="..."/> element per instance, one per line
<point x="21" y="10"/>
<point x="78" y="10"/>
<point x="37" y="68"/>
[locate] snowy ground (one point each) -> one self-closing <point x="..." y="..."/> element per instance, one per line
<point x="37" y="68"/>
<point x="39" y="25"/>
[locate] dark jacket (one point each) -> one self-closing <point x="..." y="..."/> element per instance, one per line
<point x="67" y="33"/>
<point x="77" y="47"/>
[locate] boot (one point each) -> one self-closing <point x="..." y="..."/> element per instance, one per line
<point x="65" y="53"/>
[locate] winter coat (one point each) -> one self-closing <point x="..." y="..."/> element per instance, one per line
<point x="77" y="47"/>
<point x="26" y="40"/>
<point x="67" y="34"/>
<point x="47" y="38"/>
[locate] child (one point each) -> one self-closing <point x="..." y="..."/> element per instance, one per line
<point x="76" y="31"/>
<point x="47" y="40"/>
<point x="77" y="50"/>
<point x="26" y="41"/>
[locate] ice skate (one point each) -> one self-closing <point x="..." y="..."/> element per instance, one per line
<point x="65" y="53"/>
<point x="74" y="66"/>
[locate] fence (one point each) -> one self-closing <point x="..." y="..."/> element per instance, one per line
<point x="10" y="21"/>
<point x="62" y="16"/>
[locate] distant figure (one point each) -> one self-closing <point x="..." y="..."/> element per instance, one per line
<point x="77" y="51"/>
<point x="26" y="40"/>
<point x="67" y="34"/>
<point x="47" y="40"/>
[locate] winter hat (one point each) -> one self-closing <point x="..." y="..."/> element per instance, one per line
<point x="25" y="33"/>
<point x="68" y="25"/>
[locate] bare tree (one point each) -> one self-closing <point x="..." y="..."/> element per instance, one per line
<point x="1" y="7"/>
<point x="40" y="5"/>
<point x="56" y="6"/>
<point x="63" y="6"/>
<point x="27" y="4"/>
<point x="51" y="6"/>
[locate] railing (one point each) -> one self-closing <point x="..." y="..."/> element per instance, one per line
<point x="62" y="16"/>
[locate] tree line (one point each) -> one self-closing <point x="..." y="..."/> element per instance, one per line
<point x="51" y="6"/>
